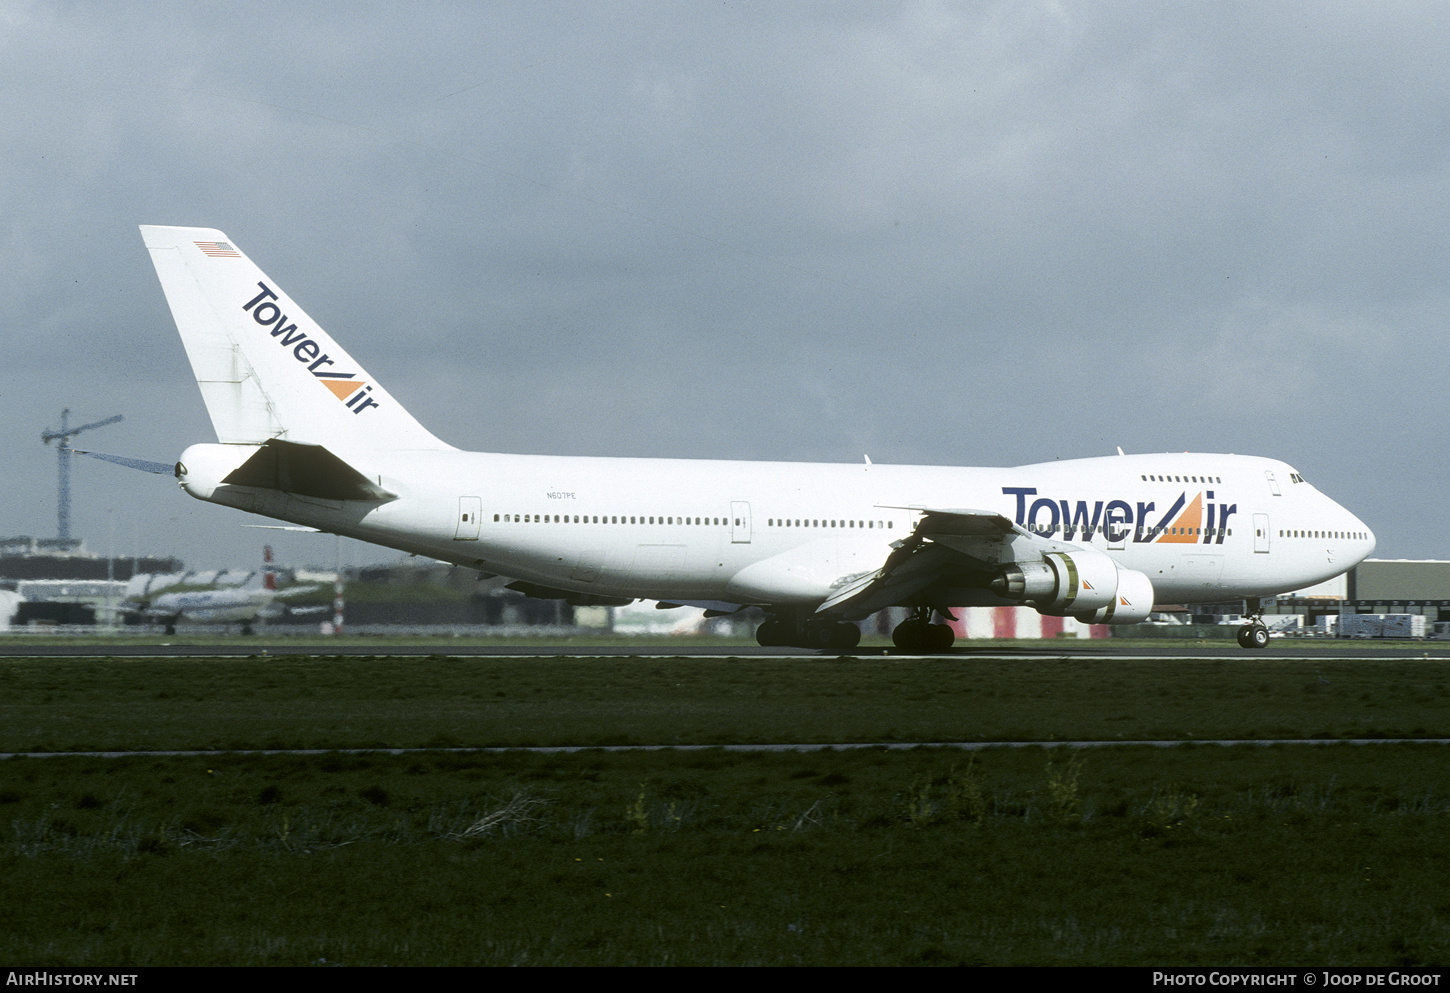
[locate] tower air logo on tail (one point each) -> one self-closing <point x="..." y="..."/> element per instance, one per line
<point x="264" y="309"/>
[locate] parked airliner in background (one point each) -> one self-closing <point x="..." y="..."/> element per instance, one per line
<point x="246" y="604"/>
<point x="306" y="435"/>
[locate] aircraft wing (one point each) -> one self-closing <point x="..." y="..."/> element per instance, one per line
<point x="976" y="523"/>
<point x="947" y="543"/>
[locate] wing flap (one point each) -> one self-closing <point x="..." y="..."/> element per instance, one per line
<point x="946" y="541"/>
<point x="959" y="521"/>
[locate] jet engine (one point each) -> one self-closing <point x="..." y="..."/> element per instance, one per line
<point x="1131" y="604"/>
<point x="1085" y="583"/>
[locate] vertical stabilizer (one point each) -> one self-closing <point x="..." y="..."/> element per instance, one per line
<point x="266" y="370"/>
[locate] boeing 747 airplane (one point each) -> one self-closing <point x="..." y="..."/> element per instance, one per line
<point x="306" y="435"/>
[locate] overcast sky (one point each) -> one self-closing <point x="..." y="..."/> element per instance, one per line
<point x="969" y="234"/>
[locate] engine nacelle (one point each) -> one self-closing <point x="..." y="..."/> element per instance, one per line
<point x="1025" y="581"/>
<point x="1085" y="583"/>
<point x="1062" y="582"/>
<point x="1131" y="605"/>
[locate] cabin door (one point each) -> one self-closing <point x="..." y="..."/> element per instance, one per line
<point x="470" y="511"/>
<point x="739" y="522"/>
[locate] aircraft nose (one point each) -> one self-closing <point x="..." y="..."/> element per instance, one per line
<point x="1364" y="544"/>
<point x="1358" y="527"/>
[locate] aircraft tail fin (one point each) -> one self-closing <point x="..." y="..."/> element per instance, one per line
<point x="266" y="370"/>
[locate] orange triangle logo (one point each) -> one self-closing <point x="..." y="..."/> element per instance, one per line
<point x="342" y="388"/>
<point x="1188" y="522"/>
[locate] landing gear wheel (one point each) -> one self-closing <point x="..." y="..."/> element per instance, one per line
<point x="910" y="636"/>
<point x="820" y="636"/>
<point x="939" y="637"/>
<point x="770" y="634"/>
<point x="916" y="635"/>
<point x="1253" y="636"/>
<point x="845" y="637"/>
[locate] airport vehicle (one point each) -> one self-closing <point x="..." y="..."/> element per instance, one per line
<point x="244" y="605"/>
<point x="306" y="435"/>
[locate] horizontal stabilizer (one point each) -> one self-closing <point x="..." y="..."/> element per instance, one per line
<point x="306" y="470"/>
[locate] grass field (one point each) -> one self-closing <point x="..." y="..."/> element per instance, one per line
<point x="66" y="705"/>
<point x="1286" y="855"/>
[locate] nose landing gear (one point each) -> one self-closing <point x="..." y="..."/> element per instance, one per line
<point x="1254" y="634"/>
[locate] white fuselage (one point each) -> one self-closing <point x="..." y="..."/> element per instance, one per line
<point x="1203" y="528"/>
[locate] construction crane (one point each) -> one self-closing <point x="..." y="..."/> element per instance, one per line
<point x="63" y="450"/>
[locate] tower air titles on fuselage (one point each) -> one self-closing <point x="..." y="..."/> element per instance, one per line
<point x="1200" y="520"/>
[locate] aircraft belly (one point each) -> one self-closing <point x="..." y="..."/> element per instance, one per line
<point x="803" y="574"/>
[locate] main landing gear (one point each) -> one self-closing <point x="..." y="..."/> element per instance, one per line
<point x="1254" y="634"/>
<point x="794" y="632"/>
<point x="917" y="633"/>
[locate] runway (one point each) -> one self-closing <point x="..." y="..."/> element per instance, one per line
<point x="890" y="746"/>
<point x="1278" y="650"/>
